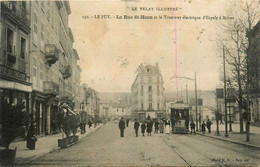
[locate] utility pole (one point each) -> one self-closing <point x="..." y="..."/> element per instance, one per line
<point x="196" y="102"/>
<point x="230" y="118"/>
<point x="225" y="93"/>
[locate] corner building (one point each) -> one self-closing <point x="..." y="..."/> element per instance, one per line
<point x="147" y="93"/>
<point x="15" y="78"/>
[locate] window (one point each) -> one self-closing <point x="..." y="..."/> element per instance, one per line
<point x="23" y="47"/>
<point x="35" y="28"/>
<point x="150" y="98"/>
<point x="10" y="40"/>
<point x="42" y="35"/>
<point x="150" y="88"/>
<point x="150" y="79"/>
<point x="142" y="90"/>
<point x="158" y="106"/>
<point x="24" y="4"/>
<point x="142" y="106"/>
<point x="158" y="90"/>
<point x="41" y="71"/>
<point x="34" y="67"/>
<point x="150" y="106"/>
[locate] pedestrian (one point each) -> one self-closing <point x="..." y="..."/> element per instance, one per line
<point x="149" y="128"/>
<point x="89" y="124"/>
<point x="221" y="120"/>
<point x="209" y="125"/>
<point x="121" y="126"/>
<point x="167" y="126"/>
<point x="156" y="126"/>
<point x="31" y="139"/>
<point x="81" y="128"/>
<point x="136" y="127"/>
<point x="203" y="127"/>
<point x="127" y="122"/>
<point x="143" y="127"/>
<point x="192" y="127"/>
<point x="84" y="127"/>
<point x="161" y="127"/>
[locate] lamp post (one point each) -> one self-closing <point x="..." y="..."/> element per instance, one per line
<point x="196" y="98"/>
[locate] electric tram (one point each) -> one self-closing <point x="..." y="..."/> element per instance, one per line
<point x="180" y="117"/>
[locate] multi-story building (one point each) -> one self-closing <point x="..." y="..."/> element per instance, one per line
<point x="15" y="83"/>
<point x="37" y="61"/>
<point x="148" y="93"/>
<point x="51" y="56"/>
<point x="92" y="102"/>
<point x="254" y="69"/>
<point x="103" y="110"/>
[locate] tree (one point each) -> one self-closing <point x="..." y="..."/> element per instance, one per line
<point x="237" y="44"/>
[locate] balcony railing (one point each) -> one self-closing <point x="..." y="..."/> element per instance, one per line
<point x="50" y="87"/>
<point x="67" y="72"/>
<point x="66" y="95"/>
<point x="51" y="53"/>
<point x="18" y="13"/>
<point x="14" y="75"/>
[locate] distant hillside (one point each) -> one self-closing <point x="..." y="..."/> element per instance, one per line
<point x="112" y="97"/>
<point x="207" y="96"/>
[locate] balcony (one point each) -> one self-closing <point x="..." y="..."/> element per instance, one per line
<point x="51" y="88"/>
<point x="11" y="74"/>
<point x="67" y="72"/>
<point x="17" y="14"/>
<point x="66" y="96"/>
<point x="51" y="54"/>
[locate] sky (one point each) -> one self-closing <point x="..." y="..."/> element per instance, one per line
<point x="110" y="50"/>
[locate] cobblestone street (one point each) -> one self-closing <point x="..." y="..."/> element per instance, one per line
<point x="104" y="147"/>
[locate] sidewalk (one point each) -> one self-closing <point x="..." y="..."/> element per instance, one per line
<point x="43" y="145"/>
<point x="235" y="136"/>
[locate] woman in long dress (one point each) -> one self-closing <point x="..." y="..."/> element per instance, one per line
<point x="167" y="127"/>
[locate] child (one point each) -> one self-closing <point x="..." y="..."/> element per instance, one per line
<point x="143" y="127"/>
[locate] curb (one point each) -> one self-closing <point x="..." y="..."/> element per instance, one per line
<point x="232" y="141"/>
<point x="56" y="148"/>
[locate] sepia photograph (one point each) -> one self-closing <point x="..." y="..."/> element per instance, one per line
<point x="130" y="83"/>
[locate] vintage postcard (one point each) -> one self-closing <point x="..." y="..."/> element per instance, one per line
<point x="130" y="83"/>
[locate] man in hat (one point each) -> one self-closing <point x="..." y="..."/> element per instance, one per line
<point x="136" y="127"/>
<point x="121" y="126"/>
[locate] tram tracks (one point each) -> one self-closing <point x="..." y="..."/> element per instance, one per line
<point x="216" y="163"/>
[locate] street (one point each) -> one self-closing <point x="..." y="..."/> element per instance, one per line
<point x="104" y="147"/>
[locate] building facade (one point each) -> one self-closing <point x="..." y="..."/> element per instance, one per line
<point x="92" y="102"/>
<point x="37" y="61"/>
<point x="15" y="78"/>
<point x="147" y="93"/>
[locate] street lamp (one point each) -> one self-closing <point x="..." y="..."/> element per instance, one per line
<point x="196" y="98"/>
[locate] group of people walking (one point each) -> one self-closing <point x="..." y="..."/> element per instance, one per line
<point x="160" y="126"/>
<point x="203" y="126"/>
